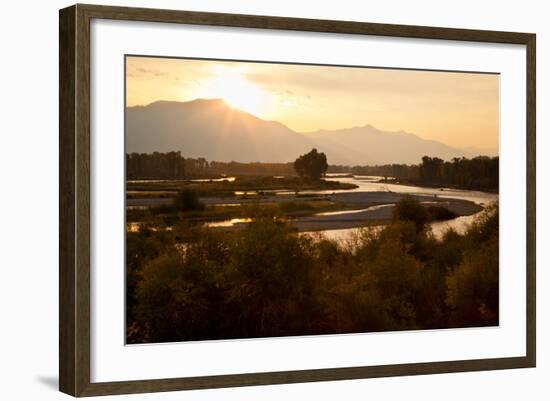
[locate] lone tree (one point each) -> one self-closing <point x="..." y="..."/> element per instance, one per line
<point x="312" y="165"/>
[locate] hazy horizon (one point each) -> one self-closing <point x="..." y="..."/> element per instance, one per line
<point x="457" y="109"/>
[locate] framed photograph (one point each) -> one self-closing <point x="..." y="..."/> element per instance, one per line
<point x="250" y="200"/>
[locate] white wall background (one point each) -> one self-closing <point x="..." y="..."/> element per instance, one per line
<point x="29" y="183"/>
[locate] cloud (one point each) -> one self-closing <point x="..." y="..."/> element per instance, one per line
<point x="372" y="81"/>
<point x="151" y="71"/>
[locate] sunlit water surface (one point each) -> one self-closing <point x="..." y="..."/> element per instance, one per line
<point x="373" y="184"/>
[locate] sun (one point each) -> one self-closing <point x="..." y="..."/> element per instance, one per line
<point x="242" y="95"/>
<point x="237" y="92"/>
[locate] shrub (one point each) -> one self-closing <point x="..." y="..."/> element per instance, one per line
<point x="187" y="200"/>
<point x="273" y="274"/>
<point x="440" y="213"/>
<point x="472" y="288"/>
<point x="409" y="209"/>
<point x="180" y="294"/>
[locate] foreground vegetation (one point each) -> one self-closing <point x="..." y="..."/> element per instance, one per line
<point x="193" y="283"/>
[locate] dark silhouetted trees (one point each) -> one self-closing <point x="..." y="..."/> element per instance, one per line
<point x="155" y="165"/>
<point x="478" y="173"/>
<point x="312" y="165"/>
<point x="172" y="165"/>
<point x="431" y="169"/>
<point x="167" y="166"/>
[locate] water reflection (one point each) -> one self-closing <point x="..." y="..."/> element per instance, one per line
<point x="345" y="212"/>
<point x="364" y="184"/>
<point x="221" y="179"/>
<point x="228" y="223"/>
<point x="372" y="184"/>
<point x="227" y="179"/>
<point x="134" y="227"/>
<point x="348" y="236"/>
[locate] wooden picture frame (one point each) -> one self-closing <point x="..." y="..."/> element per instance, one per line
<point x="74" y="120"/>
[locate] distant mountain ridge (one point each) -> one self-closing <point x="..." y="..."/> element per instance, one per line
<point x="385" y="147"/>
<point x="212" y="129"/>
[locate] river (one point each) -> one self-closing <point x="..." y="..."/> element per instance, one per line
<point x="373" y="184"/>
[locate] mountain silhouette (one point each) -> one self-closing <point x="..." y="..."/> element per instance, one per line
<point x="383" y="147"/>
<point x="212" y="129"/>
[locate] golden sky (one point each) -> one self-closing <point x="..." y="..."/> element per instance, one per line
<point x="458" y="109"/>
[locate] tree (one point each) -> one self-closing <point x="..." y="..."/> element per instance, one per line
<point x="312" y="165"/>
<point x="431" y="169"/>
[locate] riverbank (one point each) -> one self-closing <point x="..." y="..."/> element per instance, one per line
<point x="440" y="186"/>
<point x="318" y="212"/>
<point x="379" y="213"/>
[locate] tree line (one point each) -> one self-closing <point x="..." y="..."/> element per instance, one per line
<point x="170" y="165"/>
<point x="479" y="173"/>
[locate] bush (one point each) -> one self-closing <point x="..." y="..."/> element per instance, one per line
<point x="180" y="294"/>
<point x="187" y="200"/>
<point x="440" y="213"/>
<point x="273" y="275"/>
<point x="409" y="209"/>
<point x="472" y="288"/>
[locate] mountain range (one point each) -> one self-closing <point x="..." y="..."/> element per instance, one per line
<point x="212" y="129"/>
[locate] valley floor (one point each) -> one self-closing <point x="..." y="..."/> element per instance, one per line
<point x="358" y="208"/>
